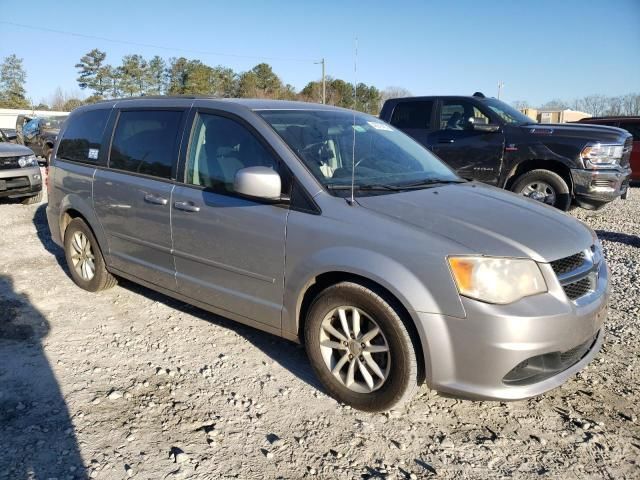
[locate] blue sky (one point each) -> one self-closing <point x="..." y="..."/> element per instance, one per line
<point x="541" y="49"/>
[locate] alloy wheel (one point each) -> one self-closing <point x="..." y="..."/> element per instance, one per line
<point x="355" y="349"/>
<point x="82" y="256"/>
<point x="540" y="191"/>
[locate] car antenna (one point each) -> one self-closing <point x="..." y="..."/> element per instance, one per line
<point x="352" y="200"/>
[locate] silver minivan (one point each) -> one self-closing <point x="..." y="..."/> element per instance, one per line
<point x="332" y="228"/>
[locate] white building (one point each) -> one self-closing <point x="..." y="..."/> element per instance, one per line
<point x="8" y="116"/>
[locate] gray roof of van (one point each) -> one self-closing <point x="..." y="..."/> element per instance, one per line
<point x="250" y="103"/>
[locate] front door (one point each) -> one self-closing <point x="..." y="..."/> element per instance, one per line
<point x="133" y="197"/>
<point x="473" y="154"/>
<point x="229" y="250"/>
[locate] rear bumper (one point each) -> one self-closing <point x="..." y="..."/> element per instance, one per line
<point x="481" y="355"/>
<point x="595" y="188"/>
<point x="20" y="182"/>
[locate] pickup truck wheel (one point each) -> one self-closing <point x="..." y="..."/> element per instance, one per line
<point x="545" y="186"/>
<point x="360" y="348"/>
<point x="84" y="258"/>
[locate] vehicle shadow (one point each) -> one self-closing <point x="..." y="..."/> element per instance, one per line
<point x="37" y="438"/>
<point x="617" y="237"/>
<point x="44" y="235"/>
<point x="288" y="354"/>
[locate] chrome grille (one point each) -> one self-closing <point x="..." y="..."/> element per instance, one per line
<point x="578" y="289"/>
<point x="8" y="162"/>
<point x="578" y="273"/>
<point x="567" y="264"/>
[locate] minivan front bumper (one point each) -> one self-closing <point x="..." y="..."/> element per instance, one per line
<point x="486" y="355"/>
<point x="595" y="188"/>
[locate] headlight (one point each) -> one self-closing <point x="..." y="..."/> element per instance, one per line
<point x="601" y="156"/>
<point x="497" y="280"/>
<point x="28" y="161"/>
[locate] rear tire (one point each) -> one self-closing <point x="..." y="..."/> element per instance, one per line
<point x="373" y="366"/>
<point x="84" y="258"/>
<point x="545" y="186"/>
<point x="33" y="199"/>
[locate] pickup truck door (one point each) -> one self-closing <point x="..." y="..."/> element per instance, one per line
<point x="473" y="154"/>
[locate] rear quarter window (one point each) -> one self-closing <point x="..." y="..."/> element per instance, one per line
<point x="413" y="115"/>
<point x="82" y="138"/>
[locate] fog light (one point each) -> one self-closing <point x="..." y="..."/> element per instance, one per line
<point x="36" y="177"/>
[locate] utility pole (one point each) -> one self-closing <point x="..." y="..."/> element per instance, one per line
<point x="500" y="87"/>
<point x="324" y="83"/>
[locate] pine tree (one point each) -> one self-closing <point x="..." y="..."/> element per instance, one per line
<point x="12" y="80"/>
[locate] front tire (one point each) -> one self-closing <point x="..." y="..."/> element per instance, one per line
<point x="360" y="348"/>
<point x="84" y="258"/>
<point x="545" y="186"/>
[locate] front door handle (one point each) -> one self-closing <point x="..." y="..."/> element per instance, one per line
<point x="186" y="206"/>
<point x="445" y="140"/>
<point x="149" y="198"/>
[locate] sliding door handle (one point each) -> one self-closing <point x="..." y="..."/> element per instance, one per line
<point x="186" y="207"/>
<point x="149" y="198"/>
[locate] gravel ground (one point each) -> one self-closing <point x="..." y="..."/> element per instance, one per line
<point x="129" y="383"/>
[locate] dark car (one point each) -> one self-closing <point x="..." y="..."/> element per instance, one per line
<point x="631" y="125"/>
<point x="40" y="133"/>
<point x="485" y="139"/>
<point x="8" y="135"/>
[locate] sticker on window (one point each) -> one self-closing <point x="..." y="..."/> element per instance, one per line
<point x="93" y="154"/>
<point x="381" y="126"/>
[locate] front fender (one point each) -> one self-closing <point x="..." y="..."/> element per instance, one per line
<point x="397" y="278"/>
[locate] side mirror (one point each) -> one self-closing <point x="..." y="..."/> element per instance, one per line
<point x="258" y="182"/>
<point x="480" y="124"/>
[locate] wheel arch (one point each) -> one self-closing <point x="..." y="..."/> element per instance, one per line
<point x="555" y="166"/>
<point x="73" y="207"/>
<point x="320" y="282"/>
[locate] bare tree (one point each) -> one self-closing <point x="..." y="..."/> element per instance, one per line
<point x="393" y="92"/>
<point x="520" y="104"/>
<point x="596" y="105"/>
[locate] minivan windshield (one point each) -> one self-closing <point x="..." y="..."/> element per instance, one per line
<point x="385" y="159"/>
<point x="507" y="113"/>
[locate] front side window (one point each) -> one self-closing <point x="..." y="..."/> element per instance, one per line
<point x="381" y="156"/>
<point x="507" y="113"/>
<point x="145" y="141"/>
<point x="219" y="148"/>
<point x="413" y="115"/>
<point x="460" y="115"/>
<point x="81" y="140"/>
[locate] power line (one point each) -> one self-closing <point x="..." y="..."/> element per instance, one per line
<point x="159" y="47"/>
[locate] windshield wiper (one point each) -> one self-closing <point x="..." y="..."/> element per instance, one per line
<point x="372" y="186"/>
<point x="429" y="181"/>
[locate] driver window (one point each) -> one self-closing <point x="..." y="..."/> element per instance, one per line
<point x="459" y="115"/>
<point x="219" y="148"/>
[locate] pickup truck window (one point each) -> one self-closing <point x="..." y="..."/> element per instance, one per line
<point x="415" y="115"/>
<point x="455" y="115"/>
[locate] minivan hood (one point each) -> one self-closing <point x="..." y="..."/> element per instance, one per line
<point x="487" y="220"/>
<point x="14" y="150"/>
<point x="592" y="133"/>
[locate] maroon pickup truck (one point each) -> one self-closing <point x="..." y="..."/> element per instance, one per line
<point x="631" y="125"/>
